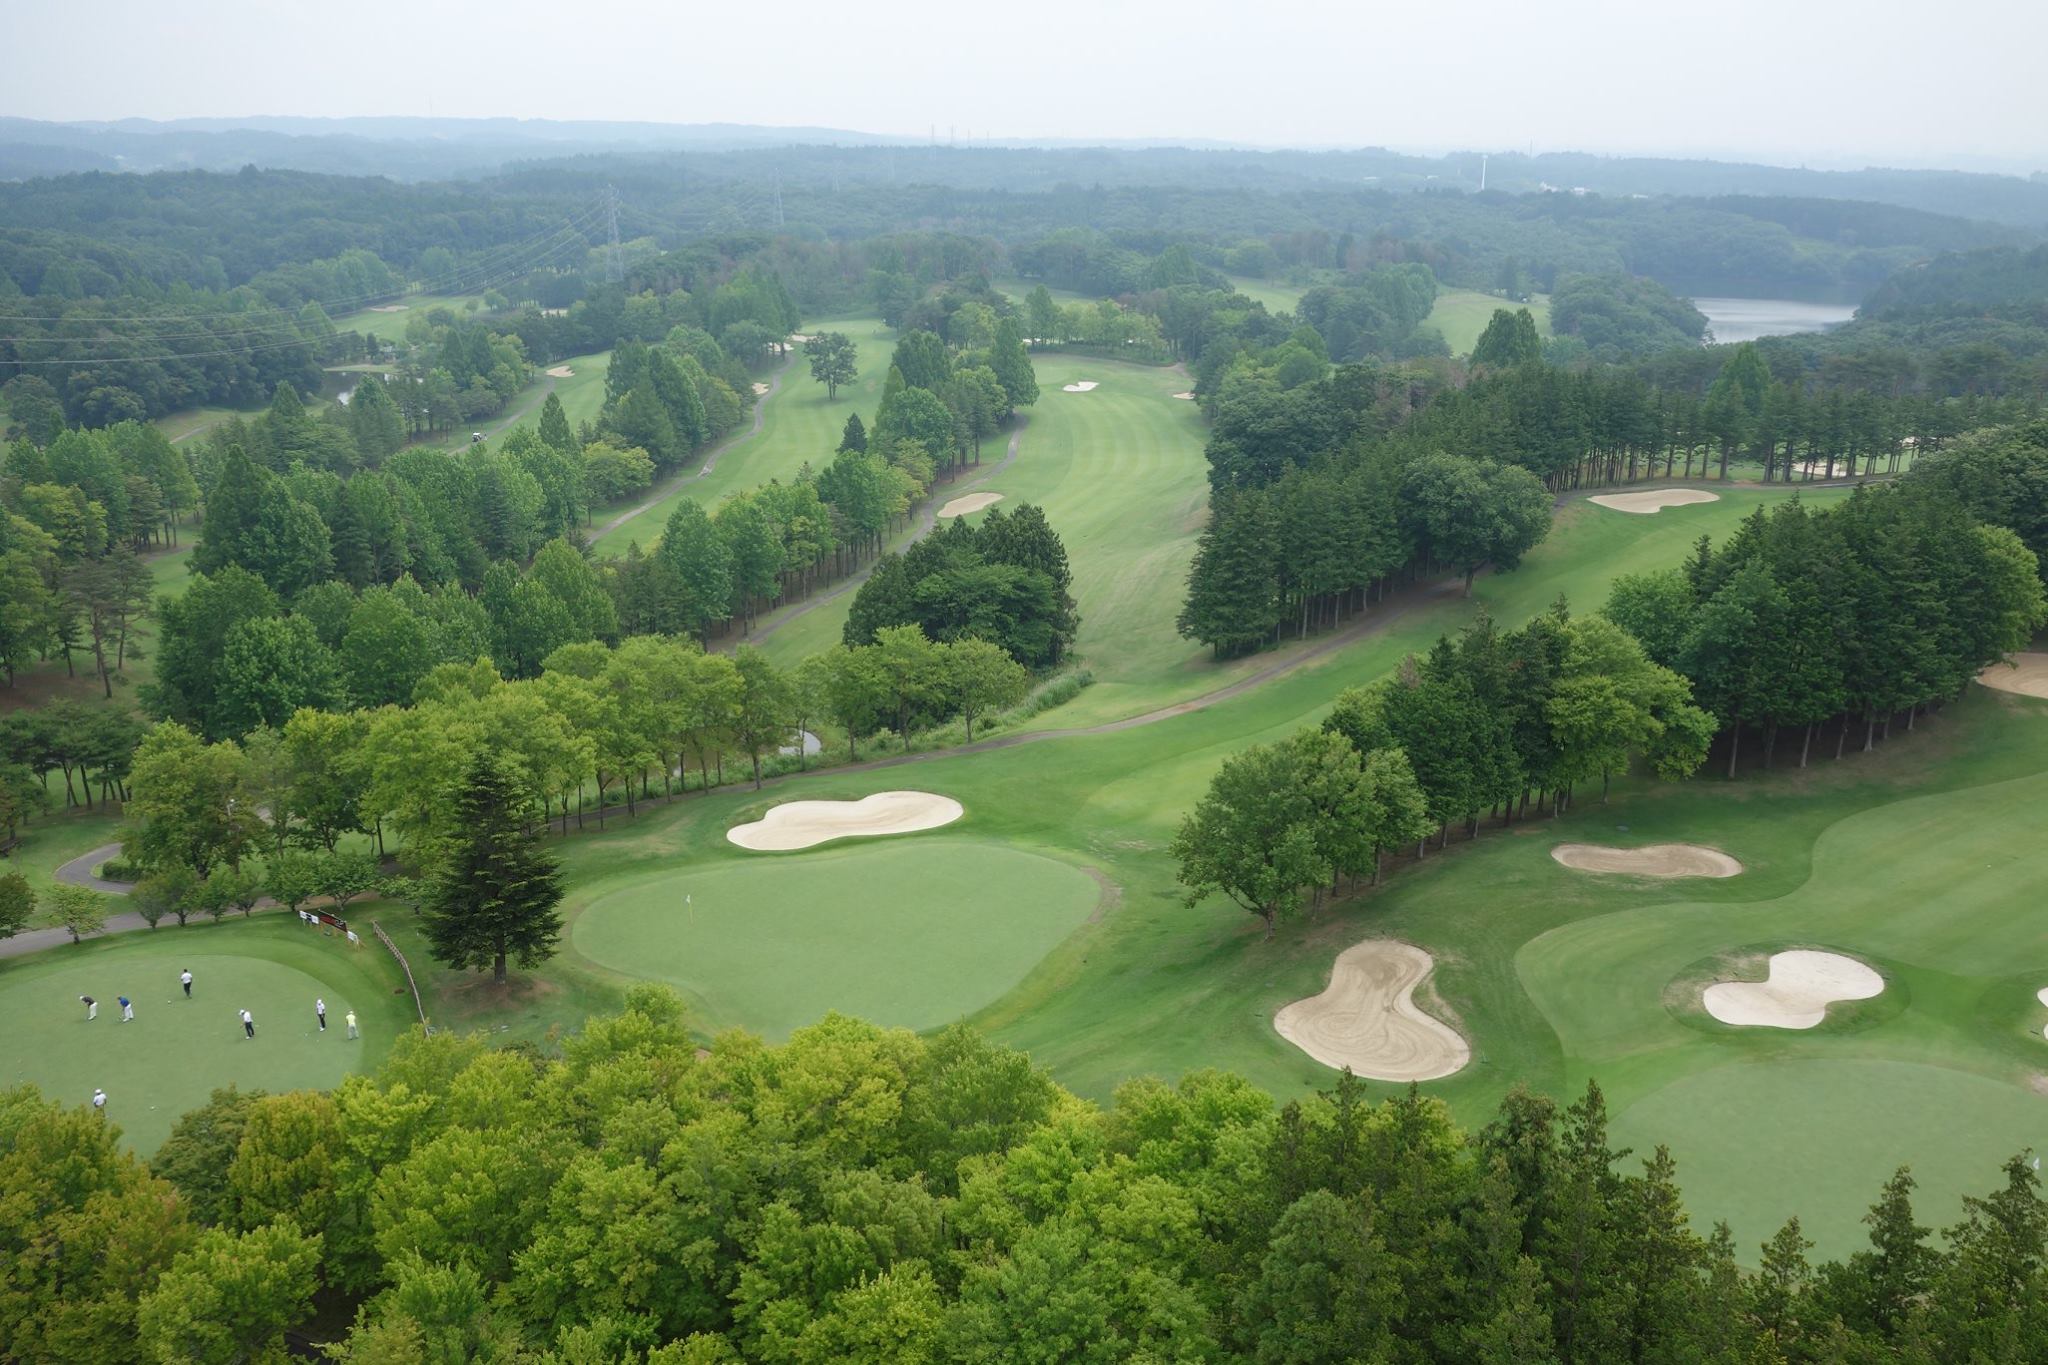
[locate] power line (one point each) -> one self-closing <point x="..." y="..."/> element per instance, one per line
<point x="614" y="267"/>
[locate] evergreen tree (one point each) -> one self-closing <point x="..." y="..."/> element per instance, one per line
<point x="1509" y="340"/>
<point x="497" y="891"/>
<point x="855" y="436"/>
<point x="554" y="426"/>
<point x="374" y="421"/>
<point x="1233" y="590"/>
<point x="1012" y="365"/>
<point x="701" y="562"/>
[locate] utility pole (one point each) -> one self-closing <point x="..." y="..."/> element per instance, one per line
<point x="615" y="265"/>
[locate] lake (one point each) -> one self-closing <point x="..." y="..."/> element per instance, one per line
<point x="1733" y="320"/>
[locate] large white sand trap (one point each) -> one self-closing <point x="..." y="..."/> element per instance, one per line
<point x="1080" y="386"/>
<point x="1368" y="1020"/>
<point x="561" y="372"/>
<point x="389" y="307"/>
<point x="1801" y="985"/>
<point x="969" y="505"/>
<point x="1190" y="397"/>
<point x="759" y="387"/>
<point x="1655" y="500"/>
<point x="800" y="824"/>
<point x="2027" y="675"/>
<point x="1651" y="860"/>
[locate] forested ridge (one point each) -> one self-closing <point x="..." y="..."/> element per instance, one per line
<point x="865" y="1194"/>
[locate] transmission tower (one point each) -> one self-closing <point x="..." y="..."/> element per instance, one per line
<point x="615" y="265"/>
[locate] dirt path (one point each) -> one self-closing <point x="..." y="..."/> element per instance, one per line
<point x="78" y="872"/>
<point x="926" y="520"/>
<point x="711" y="458"/>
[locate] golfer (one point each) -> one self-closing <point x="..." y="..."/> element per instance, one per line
<point x="351" y="1017"/>
<point x="99" y="1101"/>
<point x="248" y="1024"/>
<point x="185" y="980"/>
<point x="92" y="1007"/>
<point x="320" y="1012"/>
<point x="127" y="1008"/>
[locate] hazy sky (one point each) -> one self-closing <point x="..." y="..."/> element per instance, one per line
<point x="1822" y="81"/>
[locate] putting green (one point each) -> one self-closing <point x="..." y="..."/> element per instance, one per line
<point x="1759" y="1142"/>
<point x="176" y="1051"/>
<point x="913" y="934"/>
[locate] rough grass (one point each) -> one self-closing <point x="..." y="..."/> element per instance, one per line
<point x="1462" y="314"/>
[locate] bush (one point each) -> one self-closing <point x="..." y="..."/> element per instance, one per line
<point x="119" y="870"/>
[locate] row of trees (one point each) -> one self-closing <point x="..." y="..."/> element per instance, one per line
<point x="1478" y="723"/>
<point x="630" y="1197"/>
<point x="1892" y="602"/>
<point x="596" y="726"/>
<point x="1316" y="543"/>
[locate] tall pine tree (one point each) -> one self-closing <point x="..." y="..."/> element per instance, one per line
<point x="496" y="897"/>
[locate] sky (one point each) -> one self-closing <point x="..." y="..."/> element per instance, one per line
<point x="1798" y="82"/>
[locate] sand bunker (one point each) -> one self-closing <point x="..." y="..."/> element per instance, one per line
<point x="561" y="372"/>
<point x="2027" y="675"/>
<point x="1801" y="985"/>
<point x="1188" y="396"/>
<point x="1651" y="860"/>
<point x="798" y="338"/>
<point x="1656" y="500"/>
<point x="1080" y="386"/>
<point x="1368" y="1020"/>
<point x="389" y="307"/>
<point x="759" y="387"/>
<point x="971" y="503"/>
<point x="800" y="824"/>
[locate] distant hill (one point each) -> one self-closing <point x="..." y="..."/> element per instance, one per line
<point x="407" y="148"/>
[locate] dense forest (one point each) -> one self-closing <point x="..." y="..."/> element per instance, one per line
<point x="861" y="1193"/>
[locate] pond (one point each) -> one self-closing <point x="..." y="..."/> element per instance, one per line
<point x="1733" y="320"/>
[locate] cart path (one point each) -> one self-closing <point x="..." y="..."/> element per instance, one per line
<point x="79" y="871"/>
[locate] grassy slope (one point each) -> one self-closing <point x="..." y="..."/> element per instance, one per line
<point x="390" y="327"/>
<point x="1462" y="314"/>
<point x="798" y="424"/>
<point x="176" y="1051"/>
<point x="1278" y="298"/>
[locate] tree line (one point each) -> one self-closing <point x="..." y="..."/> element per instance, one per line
<point x="595" y="727"/>
<point x="1888" y="604"/>
<point x="627" y="1196"/>
<point x="1478" y="724"/>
